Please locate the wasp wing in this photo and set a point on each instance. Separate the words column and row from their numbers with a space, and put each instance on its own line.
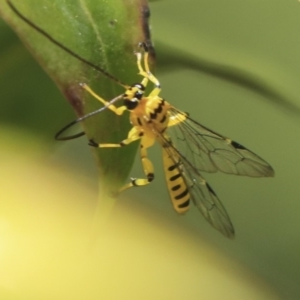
column 209, row 151
column 194, row 148
column 185, row 183
column 206, row 200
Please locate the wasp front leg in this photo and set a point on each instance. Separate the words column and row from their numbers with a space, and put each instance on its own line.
column 146, row 73
column 117, row 110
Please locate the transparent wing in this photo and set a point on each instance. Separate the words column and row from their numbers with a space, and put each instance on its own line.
column 201, row 149
column 209, row 151
column 200, row 192
column 206, row 200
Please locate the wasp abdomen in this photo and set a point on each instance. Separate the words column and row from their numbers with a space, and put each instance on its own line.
column 178, row 189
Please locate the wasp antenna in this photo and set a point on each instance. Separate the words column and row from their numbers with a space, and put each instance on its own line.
column 60, row 45
column 58, row 136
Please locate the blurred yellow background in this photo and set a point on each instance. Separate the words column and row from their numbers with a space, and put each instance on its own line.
column 49, row 248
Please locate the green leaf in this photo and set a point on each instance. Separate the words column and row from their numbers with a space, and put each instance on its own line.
column 105, row 33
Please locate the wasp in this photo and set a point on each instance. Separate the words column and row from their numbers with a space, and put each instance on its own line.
column 188, row 148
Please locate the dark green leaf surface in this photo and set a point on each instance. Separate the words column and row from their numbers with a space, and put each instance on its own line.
column 104, row 33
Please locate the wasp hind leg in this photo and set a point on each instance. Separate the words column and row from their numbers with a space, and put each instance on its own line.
column 134, row 135
column 147, row 167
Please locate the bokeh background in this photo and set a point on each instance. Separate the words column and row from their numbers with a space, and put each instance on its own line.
column 260, row 38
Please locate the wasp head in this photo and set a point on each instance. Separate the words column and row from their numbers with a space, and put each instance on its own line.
column 133, row 95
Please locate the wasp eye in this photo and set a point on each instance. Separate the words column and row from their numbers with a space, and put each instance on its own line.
column 131, row 104
column 138, row 95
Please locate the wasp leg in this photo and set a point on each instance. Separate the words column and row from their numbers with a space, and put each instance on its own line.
column 117, row 110
column 133, row 135
column 147, row 167
column 147, row 73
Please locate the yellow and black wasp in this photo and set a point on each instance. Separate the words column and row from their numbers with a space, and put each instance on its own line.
column 188, row 147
